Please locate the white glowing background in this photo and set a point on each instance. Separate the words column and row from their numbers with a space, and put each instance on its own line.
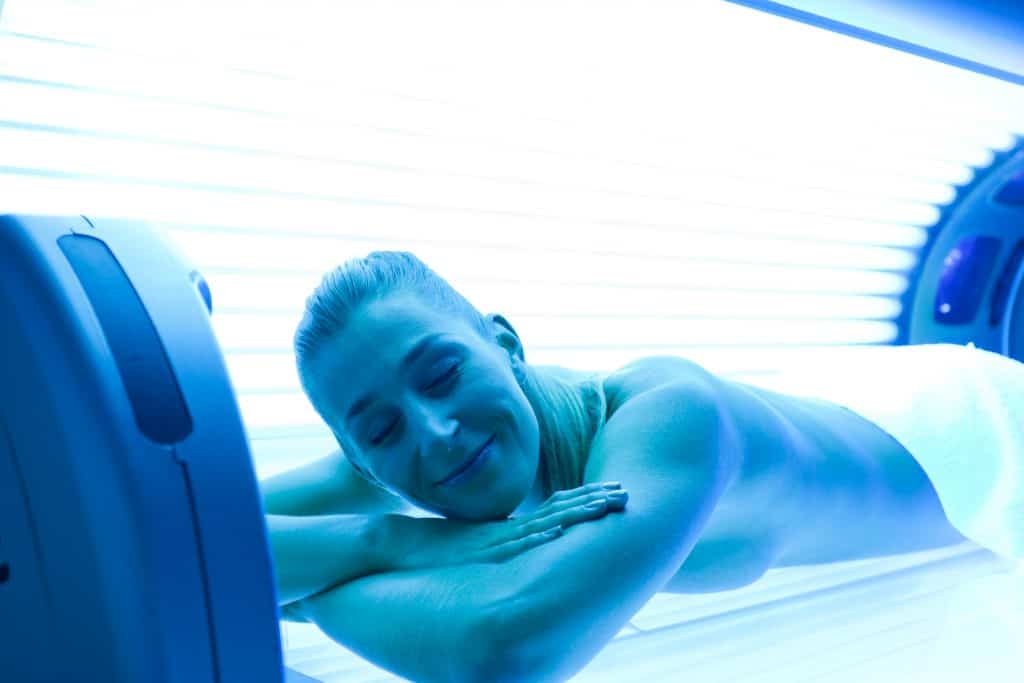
column 619, row 178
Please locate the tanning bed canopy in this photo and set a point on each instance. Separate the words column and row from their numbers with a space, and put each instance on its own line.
column 968, row 288
column 132, row 539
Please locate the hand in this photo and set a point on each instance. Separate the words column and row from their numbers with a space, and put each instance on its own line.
column 436, row 542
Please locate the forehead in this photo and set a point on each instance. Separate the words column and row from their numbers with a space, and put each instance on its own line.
column 370, row 347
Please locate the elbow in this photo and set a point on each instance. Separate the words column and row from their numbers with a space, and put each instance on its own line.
column 477, row 662
column 490, row 655
column 498, row 667
column 505, row 656
column 511, row 666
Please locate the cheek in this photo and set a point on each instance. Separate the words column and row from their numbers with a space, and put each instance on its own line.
column 530, row 431
column 487, row 392
column 511, row 408
column 524, row 434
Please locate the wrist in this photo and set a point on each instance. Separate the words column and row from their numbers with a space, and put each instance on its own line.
column 389, row 540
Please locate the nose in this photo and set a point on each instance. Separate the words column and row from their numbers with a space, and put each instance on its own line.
column 440, row 433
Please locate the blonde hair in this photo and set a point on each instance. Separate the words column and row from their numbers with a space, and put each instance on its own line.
column 570, row 406
column 570, row 412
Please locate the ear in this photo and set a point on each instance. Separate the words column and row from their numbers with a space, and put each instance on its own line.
column 506, row 336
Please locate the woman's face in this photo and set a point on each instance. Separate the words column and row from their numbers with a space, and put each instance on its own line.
column 414, row 394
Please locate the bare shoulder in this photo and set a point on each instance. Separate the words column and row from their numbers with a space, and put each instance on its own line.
column 651, row 372
column 671, row 396
column 761, row 501
column 751, row 409
column 765, row 428
column 327, row 486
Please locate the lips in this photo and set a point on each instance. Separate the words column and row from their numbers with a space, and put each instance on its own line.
column 467, row 464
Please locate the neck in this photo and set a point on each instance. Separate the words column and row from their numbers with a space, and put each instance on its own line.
column 565, row 402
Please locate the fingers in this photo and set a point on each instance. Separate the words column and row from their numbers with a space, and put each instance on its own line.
column 586, row 488
column 571, row 494
column 548, row 522
column 566, row 513
column 504, row 551
column 592, row 509
column 577, row 501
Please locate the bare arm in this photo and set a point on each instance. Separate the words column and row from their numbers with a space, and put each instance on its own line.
column 424, row 625
column 320, row 523
column 313, row 553
column 327, row 486
column 677, row 448
column 515, row 620
column 424, row 622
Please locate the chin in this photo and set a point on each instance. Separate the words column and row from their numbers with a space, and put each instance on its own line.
column 486, row 505
column 496, row 496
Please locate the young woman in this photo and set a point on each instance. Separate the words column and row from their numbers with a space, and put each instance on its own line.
column 436, row 409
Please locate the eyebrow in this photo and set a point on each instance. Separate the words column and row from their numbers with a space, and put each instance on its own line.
column 411, row 357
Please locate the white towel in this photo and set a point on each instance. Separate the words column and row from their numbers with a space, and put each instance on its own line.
column 958, row 410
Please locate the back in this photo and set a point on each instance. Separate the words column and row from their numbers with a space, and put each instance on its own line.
column 955, row 410
column 327, row 486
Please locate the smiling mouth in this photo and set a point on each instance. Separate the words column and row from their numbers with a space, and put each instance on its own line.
column 469, row 463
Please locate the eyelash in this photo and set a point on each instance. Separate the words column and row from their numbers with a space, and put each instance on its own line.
column 450, row 374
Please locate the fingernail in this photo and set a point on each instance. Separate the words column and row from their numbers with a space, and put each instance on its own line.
column 611, row 485
column 618, row 494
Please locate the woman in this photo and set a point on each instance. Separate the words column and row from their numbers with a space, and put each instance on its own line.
column 435, row 404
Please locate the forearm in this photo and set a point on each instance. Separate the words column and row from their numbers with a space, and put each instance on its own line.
column 438, row 622
column 314, row 553
column 428, row 625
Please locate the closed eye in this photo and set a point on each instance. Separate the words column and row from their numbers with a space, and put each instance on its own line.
column 450, row 374
column 376, row 440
